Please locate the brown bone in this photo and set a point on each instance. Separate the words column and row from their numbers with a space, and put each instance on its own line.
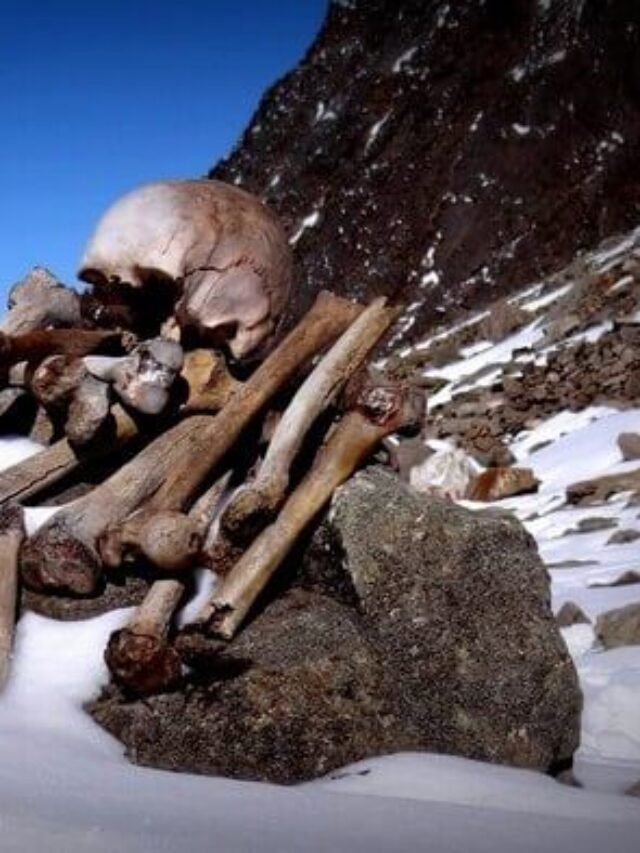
column 379, row 411
column 168, row 472
column 171, row 540
column 34, row 346
column 139, row 656
column 256, row 503
column 209, row 388
column 11, row 535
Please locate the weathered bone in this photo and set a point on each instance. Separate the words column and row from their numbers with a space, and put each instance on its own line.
column 380, row 411
column 40, row 301
column 226, row 248
column 210, row 384
column 210, row 387
column 33, row 347
column 88, row 412
column 55, row 381
column 255, row 504
column 171, row 540
column 139, row 656
column 168, row 472
column 49, row 466
column 142, row 379
column 11, row 535
column 64, row 387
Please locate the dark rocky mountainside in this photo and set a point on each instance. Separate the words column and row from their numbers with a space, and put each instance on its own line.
column 445, row 153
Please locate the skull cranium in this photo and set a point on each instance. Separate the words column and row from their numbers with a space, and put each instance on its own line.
column 225, row 252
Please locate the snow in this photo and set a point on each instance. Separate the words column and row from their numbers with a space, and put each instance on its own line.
column 309, row 221
column 496, row 354
column 584, row 446
column 15, row 449
column 375, row 131
column 475, row 784
column 404, row 59
column 546, row 299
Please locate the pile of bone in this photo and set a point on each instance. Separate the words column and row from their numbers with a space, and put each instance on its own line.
column 169, row 411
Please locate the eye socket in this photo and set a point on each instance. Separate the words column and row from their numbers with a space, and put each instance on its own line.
column 92, row 276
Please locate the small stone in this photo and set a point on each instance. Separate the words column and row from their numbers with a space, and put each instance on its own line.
column 623, row 537
column 625, row 579
column 591, row 525
column 629, row 444
column 497, row 483
column 634, row 790
column 572, row 564
column 619, row 627
column 570, row 614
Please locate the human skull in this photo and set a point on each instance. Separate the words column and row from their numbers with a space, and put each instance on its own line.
column 225, row 252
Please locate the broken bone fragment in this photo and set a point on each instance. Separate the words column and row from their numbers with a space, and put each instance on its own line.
column 219, row 245
column 142, row 379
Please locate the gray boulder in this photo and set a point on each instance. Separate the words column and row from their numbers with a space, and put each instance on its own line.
column 456, row 603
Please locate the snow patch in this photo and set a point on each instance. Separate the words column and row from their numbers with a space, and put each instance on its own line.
column 374, row 132
column 403, row 60
column 308, row 222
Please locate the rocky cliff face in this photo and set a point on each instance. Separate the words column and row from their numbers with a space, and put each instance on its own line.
column 444, row 153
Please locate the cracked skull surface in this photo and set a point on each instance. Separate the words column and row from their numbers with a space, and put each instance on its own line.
column 223, row 251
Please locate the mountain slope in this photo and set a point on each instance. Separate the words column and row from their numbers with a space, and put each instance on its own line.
column 445, row 153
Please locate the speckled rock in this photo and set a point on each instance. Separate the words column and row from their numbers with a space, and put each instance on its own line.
column 570, row 614
column 444, row 153
column 457, row 605
column 299, row 693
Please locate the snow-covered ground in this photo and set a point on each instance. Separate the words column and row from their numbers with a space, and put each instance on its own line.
column 65, row 785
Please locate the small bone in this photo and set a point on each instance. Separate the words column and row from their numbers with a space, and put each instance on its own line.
column 170, row 540
column 142, row 379
column 138, row 656
column 88, row 412
column 11, row 535
column 55, row 381
column 39, row 472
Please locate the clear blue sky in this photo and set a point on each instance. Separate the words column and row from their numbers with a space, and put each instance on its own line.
column 97, row 97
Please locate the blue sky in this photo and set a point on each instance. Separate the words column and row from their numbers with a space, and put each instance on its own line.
column 96, row 98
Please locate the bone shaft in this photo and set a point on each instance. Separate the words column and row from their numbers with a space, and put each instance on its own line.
column 153, row 616
column 321, row 389
column 10, row 540
column 36, row 345
column 351, row 442
column 51, row 464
